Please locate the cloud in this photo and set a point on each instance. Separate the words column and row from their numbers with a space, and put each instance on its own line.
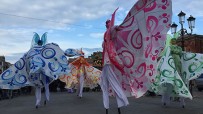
column 59, row 14
column 190, row 7
column 68, row 21
column 15, row 40
column 97, row 35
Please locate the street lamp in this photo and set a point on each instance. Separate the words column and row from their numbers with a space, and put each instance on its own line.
column 181, row 16
column 173, row 28
column 191, row 23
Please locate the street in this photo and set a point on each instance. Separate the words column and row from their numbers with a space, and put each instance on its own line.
column 91, row 103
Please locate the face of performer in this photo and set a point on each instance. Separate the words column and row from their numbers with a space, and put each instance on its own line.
column 173, row 42
column 108, row 23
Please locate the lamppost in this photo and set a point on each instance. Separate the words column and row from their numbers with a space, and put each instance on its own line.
column 191, row 24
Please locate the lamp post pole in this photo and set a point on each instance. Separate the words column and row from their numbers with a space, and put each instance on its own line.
column 182, row 38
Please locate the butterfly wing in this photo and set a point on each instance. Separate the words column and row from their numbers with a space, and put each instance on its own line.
column 15, row 76
column 139, row 40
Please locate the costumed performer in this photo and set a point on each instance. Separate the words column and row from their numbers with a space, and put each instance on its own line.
column 130, row 50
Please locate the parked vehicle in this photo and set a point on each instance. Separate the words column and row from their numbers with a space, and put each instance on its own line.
column 199, row 82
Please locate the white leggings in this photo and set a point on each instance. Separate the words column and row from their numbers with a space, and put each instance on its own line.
column 38, row 92
column 167, row 94
column 108, row 78
column 80, row 86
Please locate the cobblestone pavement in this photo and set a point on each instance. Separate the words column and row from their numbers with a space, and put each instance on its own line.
column 91, row 103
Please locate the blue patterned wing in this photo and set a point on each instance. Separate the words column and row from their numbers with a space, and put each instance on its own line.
column 51, row 61
column 16, row 76
column 72, row 52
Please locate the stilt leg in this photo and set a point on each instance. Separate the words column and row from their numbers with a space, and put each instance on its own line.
column 106, row 111
column 45, row 102
column 119, row 111
column 182, row 100
column 183, row 106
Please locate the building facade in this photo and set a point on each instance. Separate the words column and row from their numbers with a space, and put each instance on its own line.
column 3, row 64
column 192, row 43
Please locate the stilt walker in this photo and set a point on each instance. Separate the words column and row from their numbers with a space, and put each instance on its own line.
column 175, row 69
column 82, row 74
column 42, row 64
column 130, row 50
column 109, row 78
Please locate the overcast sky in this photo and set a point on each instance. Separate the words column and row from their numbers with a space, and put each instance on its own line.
column 69, row 23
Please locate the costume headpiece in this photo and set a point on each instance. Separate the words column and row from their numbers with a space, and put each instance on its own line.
column 37, row 41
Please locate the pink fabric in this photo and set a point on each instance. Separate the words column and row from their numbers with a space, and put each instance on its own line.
column 133, row 46
column 110, row 47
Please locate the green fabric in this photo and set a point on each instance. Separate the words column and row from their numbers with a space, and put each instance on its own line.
column 176, row 53
column 177, row 69
column 168, row 40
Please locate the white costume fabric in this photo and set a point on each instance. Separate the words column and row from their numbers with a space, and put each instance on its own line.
column 81, row 84
column 191, row 65
column 166, row 96
column 42, row 63
column 109, row 79
column 134, row 45
column 44, row 82
column 82, row 74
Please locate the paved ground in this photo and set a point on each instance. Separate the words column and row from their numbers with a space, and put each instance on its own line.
column 91, row 103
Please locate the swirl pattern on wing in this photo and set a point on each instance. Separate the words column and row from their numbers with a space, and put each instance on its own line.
column 14, row 77
column 48, row 53
column 79, row 67
column 167, row 73
column 48, row 60
column 139, row 40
